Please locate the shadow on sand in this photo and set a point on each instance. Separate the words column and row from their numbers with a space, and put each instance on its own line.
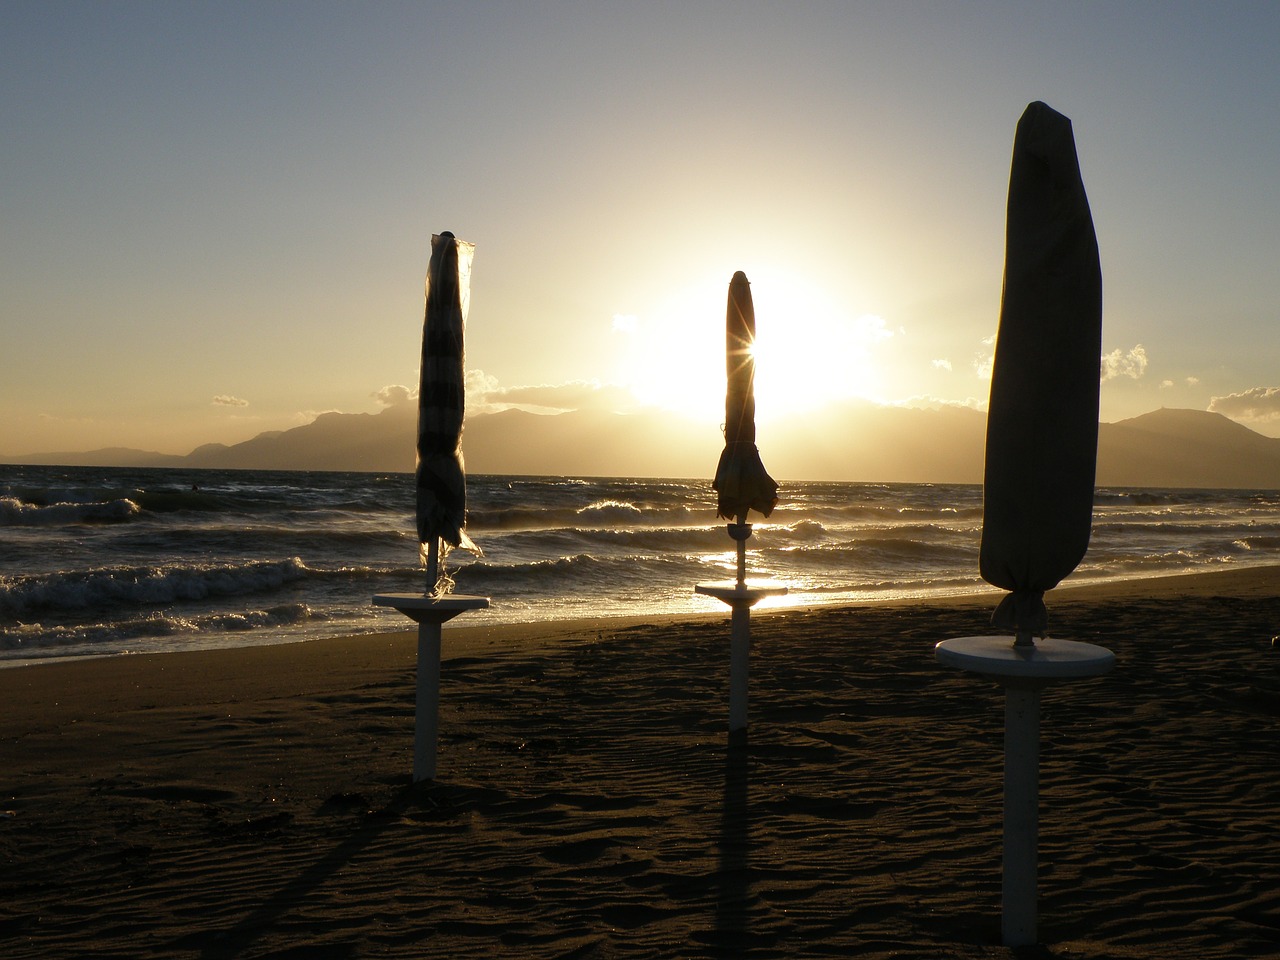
column 732, row 878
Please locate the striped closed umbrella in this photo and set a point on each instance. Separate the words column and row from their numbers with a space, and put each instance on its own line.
column 1042, row 422
column 741, row 481
column 440, row 478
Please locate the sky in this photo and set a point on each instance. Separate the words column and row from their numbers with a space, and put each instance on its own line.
column 215, row 218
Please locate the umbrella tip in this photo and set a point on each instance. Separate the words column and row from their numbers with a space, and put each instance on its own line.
column 448, row 233
column 739, row 277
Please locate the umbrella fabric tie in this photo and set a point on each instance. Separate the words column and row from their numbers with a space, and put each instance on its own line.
column 742, row 482
column 1023, row 612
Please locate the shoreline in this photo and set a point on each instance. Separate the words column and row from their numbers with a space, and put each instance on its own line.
column 464, row 639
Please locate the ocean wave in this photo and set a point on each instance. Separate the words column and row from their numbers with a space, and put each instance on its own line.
column 552, row 576
column 893, row 551
column 31, row 638
column 806, row 530
column 19, row 513
column 1258, row 543
column 591, row 516
column 610, row 511
column 143, row 586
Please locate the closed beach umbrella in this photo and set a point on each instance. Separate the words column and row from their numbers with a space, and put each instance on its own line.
column 741, row 481
column 1042, row 423
column 441, row 482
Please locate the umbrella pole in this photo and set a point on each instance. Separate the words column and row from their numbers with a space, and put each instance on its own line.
column 433, row 565
column 426, row 711
column 1023, row 674
column 429, row 613
column 739, row 633
column 1021, row 814
column 742, row 549
column 740, row 599
column 426, row 724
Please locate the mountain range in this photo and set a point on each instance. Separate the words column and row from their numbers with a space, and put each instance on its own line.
column 1164, row 448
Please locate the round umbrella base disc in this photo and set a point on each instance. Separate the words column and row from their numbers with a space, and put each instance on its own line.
column 731, row 592
column 426, row 609
column 1043, row 662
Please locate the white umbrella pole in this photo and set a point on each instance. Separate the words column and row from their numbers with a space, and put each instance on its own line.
column 740, row 599
column 1021, row 814
column 429, row 613
column 426, row 723
column 433, row 565
column 1023, row 670
column 742, row 551
column 426, row 712
column 740, row 636
column 739, row 662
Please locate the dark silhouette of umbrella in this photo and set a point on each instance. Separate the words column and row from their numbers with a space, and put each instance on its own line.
column 440, row 478
column 1042, row 421
column 741, row 481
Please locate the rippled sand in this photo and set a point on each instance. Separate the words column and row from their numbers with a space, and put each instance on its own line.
column 256, row 803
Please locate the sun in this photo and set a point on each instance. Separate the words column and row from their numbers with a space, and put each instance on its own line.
column 811, row 349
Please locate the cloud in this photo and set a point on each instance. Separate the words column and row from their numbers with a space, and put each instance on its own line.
column 486, row 395
column 224, row 401
column 303, row 417
column 942, row 364
column 1119, row 363
column 572, row 395
column 872, row 329
column 626, row 322
column 927, row 402
column 393, row 394
column 1257, row 403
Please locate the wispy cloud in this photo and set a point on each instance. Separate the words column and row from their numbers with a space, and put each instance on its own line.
column 571, row 395
column 925, row 401
column 222, row 400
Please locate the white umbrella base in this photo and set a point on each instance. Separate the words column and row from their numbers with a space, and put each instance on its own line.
column 1023, row 672
column 741, row 598
column 429, row 613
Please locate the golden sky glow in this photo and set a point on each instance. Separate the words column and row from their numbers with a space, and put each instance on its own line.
column 218, row 216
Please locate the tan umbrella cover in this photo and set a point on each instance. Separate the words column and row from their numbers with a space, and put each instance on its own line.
column 440, row 479
column 741, row 481
column 1042, row 424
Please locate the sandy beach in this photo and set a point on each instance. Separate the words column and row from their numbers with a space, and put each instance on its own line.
column 257, row 802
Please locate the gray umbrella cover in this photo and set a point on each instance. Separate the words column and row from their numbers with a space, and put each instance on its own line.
column 1042, row 424
column 741, row 481
column 441, row 481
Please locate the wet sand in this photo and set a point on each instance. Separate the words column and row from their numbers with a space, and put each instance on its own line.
column 257, row 802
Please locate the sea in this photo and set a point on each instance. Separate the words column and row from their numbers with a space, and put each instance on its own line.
column 104, row 561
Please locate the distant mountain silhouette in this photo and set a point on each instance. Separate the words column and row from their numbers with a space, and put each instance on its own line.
column 1186, row 448
column 1165, row 448
column 104, row 457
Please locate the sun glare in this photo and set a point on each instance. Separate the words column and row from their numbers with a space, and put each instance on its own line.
column 811, row 350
